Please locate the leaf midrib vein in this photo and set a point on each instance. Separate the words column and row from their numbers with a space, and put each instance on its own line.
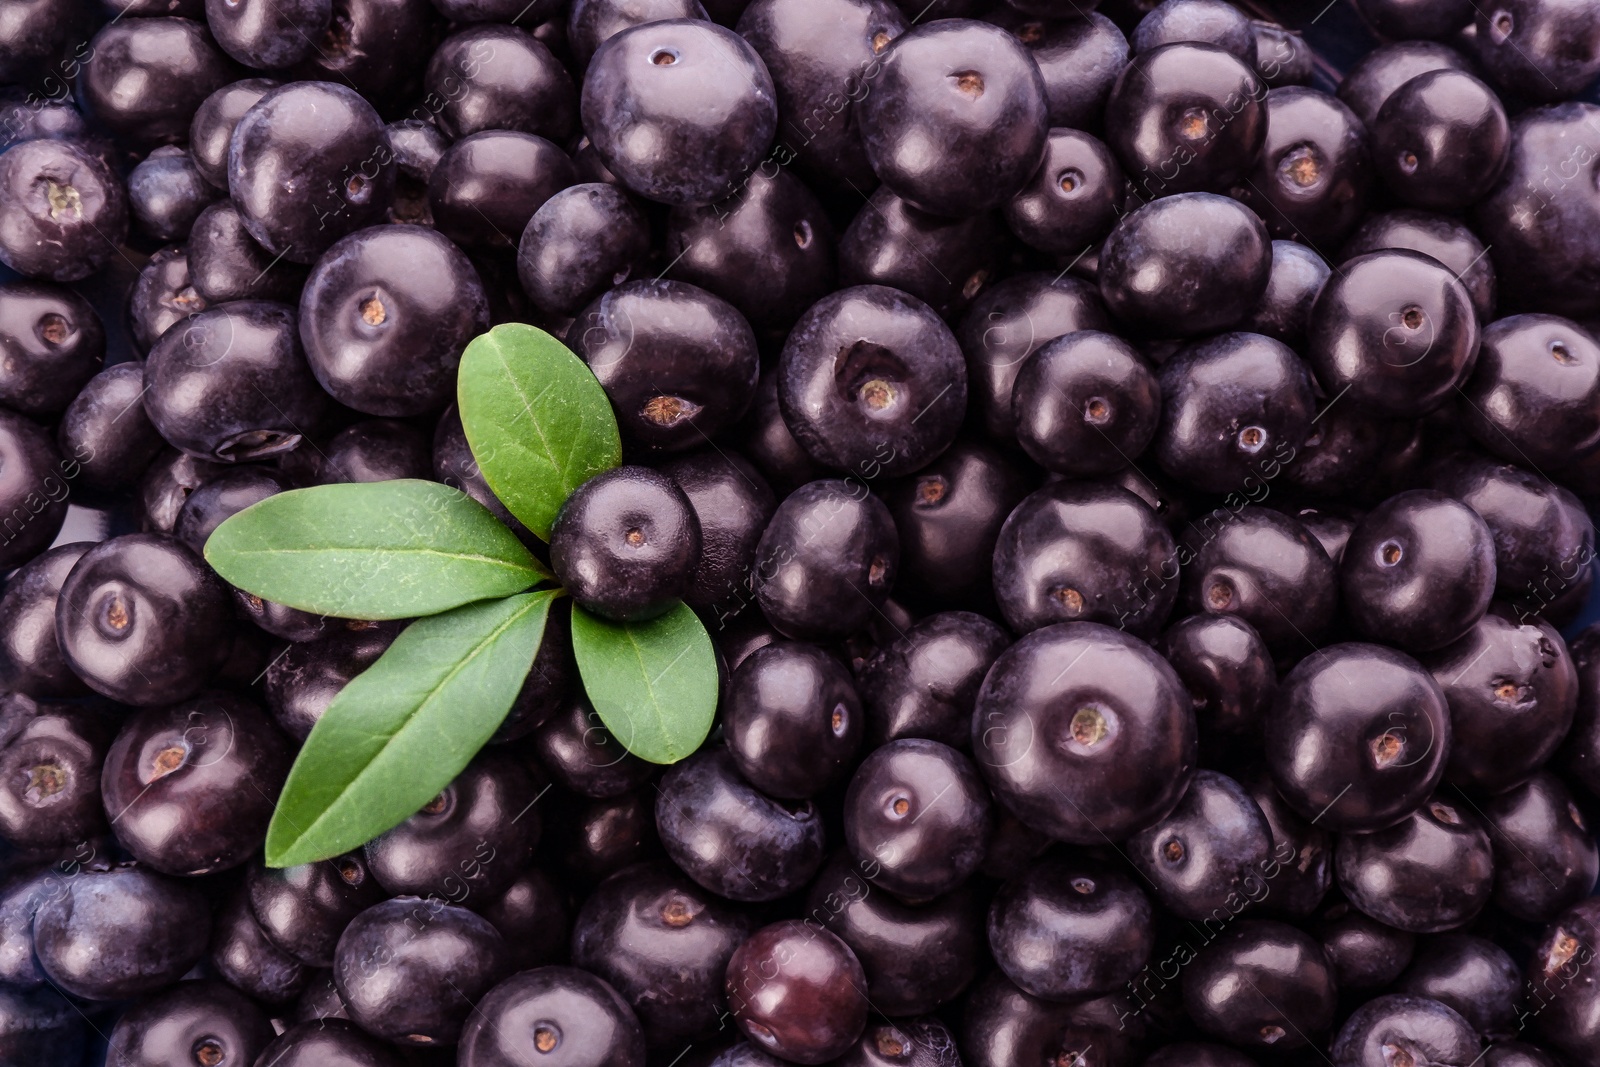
column 650, row 687
column 325, row 549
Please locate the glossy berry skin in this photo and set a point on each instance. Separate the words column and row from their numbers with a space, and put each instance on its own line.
column 49, row 783
column 192, row 786
column 916, row 957
column 1534, row 394
column 219, row 499
column 1158, row 275
column 792, row 719
column 1542, row 51
column 1545, row 857
column 678, row 363
column 226, row 263
column 303, row 910
column 308, row 164
column 119, row 932
column 1315, row 174
column 604, row 836
column 166, row 485
column 1261, row 985
column 1101, row 750
column 577, row 750
column 211, row 128
column 1432, row 871
column 166, row 194
column 1557, row 974
column 1363, row 954
column 418, row 146
column 1387, row 67
column 679, row 110
column 1440, row 140
column 487, row 186
column 917, row 858
column 664, row 944
column 1357, row 759
column 205, row 383
column 706, row 813
column 195, row 1022
column 570, row 1015
column 469, row 842
column 1195, row 21
column 1085, row 404
column 625, row 544
column 376, row 450
column 1234, row 409
column 500, row 78
column 533, row 918
column 301, row 683
column 29, row 653
column 242, row 956
column 1418, row 571
column 1513, row 690
column 581, row 242
column 175, row 63
column 1445, row 238
column 816, row 1006
column 732, row 504
column 1084, row 552
column 940, row 261
column 409, row 970
column 268, row 36
column 590, row 23
column 926, row 683
column 51, row 344
column 385, row 316
column 1394, row 329
column 62, row 212
column 34, row 488
column 965, row 85
column 1208, row 855
column 162, row 295
column 822, row 588
column 1184, row 118
column 1069, row 929
column 1073, row 198
column 1226, row 668
column 1078, row 57
column 334, row 1042
column 872, row 382
column 1397, row 1025
column 1301, row 868
column 1473, row 975
column 140, row 619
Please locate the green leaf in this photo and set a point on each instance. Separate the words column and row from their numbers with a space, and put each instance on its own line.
column 654, row 683
column 537, row 420
column 403, row 729
column 373, row 550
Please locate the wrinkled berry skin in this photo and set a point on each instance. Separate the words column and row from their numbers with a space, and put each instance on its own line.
column 110, row 934
column 825, row 587
column 1432, row 871
column 872, row 382
column 1102, row 749
column 1185, row 265
column 917, row 858
column 1207, row 857
column 193, row 785
column 965, row 85
column 1084, row 552
column 1186, row 117
column 195, row 1022
column 409, row 970
column 814, row 1008
column 1261, row 985
column 1418, row 571
column 1534, row 394
column 916, row 957
column 205, row 383
column 140, row 620
column 625, row 544
column 1357, row 759
column 303, row 910
column 1396, row 331
column 792, row 719
column 926, row 683
column 563, row 1010
column 385, row 316
column 922, row 1042
column 1420, row 1027
column 175, row 65
column 581, row 242
column 1085, row 405
column 29, row 654
column 1226, row 668
column 1545, row 857
column 1513, row 691
column 62, row 212
column 664, row 944
column 469, row 842
column 51, row 343
column 678, row 363
column 1069, row 929
column 681, row 110
column 732, row 839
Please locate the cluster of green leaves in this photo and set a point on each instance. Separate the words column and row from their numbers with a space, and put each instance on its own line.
column 539, row 425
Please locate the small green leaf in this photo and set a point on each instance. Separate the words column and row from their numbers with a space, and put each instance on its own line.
column 403, row 729
column 373, row 550
column 654, row 683
column 537, row 420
